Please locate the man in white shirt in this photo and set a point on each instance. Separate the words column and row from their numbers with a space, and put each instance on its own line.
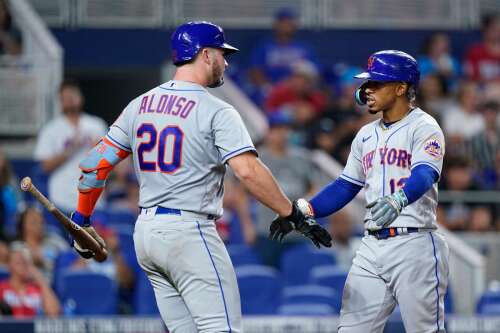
column 62, row 144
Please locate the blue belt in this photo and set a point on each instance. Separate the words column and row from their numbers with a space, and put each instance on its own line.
column 167, row 211
column 391, row 232
column 173, row 211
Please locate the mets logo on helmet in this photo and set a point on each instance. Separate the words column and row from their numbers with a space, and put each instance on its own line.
column 433, row 147
column 370, row 63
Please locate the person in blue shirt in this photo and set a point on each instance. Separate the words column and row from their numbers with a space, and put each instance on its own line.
column 272, row 59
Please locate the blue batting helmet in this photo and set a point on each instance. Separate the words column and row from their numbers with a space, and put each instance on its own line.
column 189, row 38
column 389, row 66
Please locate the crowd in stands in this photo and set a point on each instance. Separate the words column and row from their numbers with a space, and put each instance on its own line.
column 307, row 108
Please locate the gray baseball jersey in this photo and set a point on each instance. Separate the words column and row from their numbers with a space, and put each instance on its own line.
column 382, row 157
column 181, row 137
column 409, row 269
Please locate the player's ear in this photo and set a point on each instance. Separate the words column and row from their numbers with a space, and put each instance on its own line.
column 401, row 89
column 205, row 55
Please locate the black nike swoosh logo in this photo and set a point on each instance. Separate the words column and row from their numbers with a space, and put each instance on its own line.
column 366, row 139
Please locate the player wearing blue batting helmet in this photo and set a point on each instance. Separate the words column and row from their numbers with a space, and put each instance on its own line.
column 193, row 38
column 389, row 66
column 189, row 38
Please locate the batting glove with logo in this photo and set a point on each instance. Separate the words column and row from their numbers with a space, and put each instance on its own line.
column 302, row 220
column 84, row 222
column 386, row 209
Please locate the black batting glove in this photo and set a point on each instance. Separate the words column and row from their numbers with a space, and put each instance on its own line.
column 302, row 220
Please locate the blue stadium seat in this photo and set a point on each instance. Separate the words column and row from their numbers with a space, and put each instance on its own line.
column 91, row 293
column 306, row 309
column 489, row 303
column 448, row 300
column 120, row 219
column 144, row 296
column 260, row 289
column 298, row 262
column 311, row 294
column 61, row 265
column 4, row 274
column 127, row 249
column 329, row 276
column 243, row 255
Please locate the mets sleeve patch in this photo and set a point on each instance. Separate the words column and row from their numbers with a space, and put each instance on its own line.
column 434, row 147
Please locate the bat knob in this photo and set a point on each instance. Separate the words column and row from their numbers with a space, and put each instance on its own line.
column 26, row 184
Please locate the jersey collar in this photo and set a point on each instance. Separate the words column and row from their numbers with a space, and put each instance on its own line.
column 401, row 122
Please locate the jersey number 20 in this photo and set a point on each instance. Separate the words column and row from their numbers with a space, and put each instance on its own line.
column 159, row 139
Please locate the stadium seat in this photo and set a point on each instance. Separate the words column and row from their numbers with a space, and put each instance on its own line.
column 448, row 300
column 306, row 309
column 61, row 264
column 144, row 296
column 91, row 293
column 297, row 263
column 4, row 274
column 310, row 294
column 120, row 219
column 243, row 255
column 489, row 303
column 127, row 249
column 329, row 276
column 260, row 289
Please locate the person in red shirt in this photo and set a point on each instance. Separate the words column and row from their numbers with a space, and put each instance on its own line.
column 482, row 61
column 299, row 88
column 26, row 292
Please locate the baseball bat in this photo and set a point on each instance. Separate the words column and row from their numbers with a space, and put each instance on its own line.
column 79, row 234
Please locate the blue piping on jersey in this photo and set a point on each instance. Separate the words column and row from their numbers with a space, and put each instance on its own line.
column 383, row 165
column 437, row 278
column 121, row 129
column 353, row 180
column 235, row 151
column 429, row 164
column 218, row 277
column 182, row 89
column 117, row 143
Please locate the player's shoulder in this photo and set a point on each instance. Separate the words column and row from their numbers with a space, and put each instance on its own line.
column 423, row 119
column 368, row 128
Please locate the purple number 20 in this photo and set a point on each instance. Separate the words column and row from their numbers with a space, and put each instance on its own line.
column 160, row 139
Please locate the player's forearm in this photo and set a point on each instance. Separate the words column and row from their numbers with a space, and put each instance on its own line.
column 95, row 169
column 259, row 181
column 333, row 197
column 421, row 180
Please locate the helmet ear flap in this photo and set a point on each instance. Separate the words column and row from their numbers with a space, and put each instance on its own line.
column 360, row 94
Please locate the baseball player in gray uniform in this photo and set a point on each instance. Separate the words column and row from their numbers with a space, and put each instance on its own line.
column 181, row 138
column 397, row 160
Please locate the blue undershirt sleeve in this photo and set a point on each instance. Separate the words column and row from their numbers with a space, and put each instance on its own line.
column 421, row 180
column 333, row 197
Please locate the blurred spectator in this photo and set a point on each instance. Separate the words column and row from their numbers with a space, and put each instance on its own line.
column 44, row 247
column 9, row 198
column 484, row 146
column 27, row 293
column 272, row 58
column 235, row 225
column 62, row 144
column 433, row 95
column 4, row 254
column 346, row 115
column 10, row 37
column 296, row 174
column 464, row 112
column 481, row 219
column 437, row 59
column 122, row 191
column 344, row 244
column 300, row 86
column 457, row 174
column 482, row 61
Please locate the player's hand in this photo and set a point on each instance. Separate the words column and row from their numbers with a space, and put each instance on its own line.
column 84, row 222
column 302, row 220
column 386, row 209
